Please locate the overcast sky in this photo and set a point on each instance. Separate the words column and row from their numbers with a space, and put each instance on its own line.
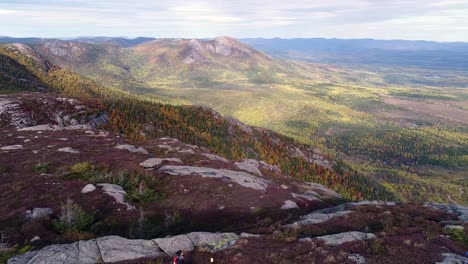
column 441, row 20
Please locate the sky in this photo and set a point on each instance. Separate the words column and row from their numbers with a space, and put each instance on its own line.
column 439, row 20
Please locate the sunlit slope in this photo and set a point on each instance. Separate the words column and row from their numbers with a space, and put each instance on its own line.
column 395, row 124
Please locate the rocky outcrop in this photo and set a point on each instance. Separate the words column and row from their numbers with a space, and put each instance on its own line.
column 316, row 218
column 30, row 53
column 115, row 249
column 241, row 178
column 22, row 259
column 450, row 258
column 132, row 148
column 171, row 245
column 38, row 213
column 111, row 249
column 68, row 150
column 63, row 253
column 12, row 147
column 117, row 192
column 341, row 238
column 11, row 111
column 40, row 112
column 226, row 46
column 214, row 241
column 215, row 157
column 88, row 188
column 288, row 204
column 347, row 206
column 153, row 162
column 88, row 251
column 460, row 211
column 250, row 166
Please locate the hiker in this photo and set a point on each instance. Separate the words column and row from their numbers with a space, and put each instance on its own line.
column 175, row 259
column 178, row 258
column 181, row 258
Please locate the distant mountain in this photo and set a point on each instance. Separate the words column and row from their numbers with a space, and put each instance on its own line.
column 219, row 51
column 196, row 61
column 120, row 41
column 5, row 39
column 426, row 54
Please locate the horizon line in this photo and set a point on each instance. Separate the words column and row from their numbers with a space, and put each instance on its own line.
column 267, row 38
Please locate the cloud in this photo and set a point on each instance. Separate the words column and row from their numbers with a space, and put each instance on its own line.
column 410, row 19
column 7, row 12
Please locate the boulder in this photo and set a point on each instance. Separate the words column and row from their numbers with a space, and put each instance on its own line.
column 214, row 241
column 22, row 259
column 68, row 150
column 341, row 238
column 288, row 204
column 77, row 127
column 153, row 162
column 115, row 249
column 306, row 196
column 322, row 190
column 241, row 178
column 88, row 188
column 215, row 157
column 186, row 151
column 12, row 147
column 249, row 165
column 248, row 235
column 132, row 148
column 117, row 192
column 38, row 213
column 60, row 253
column 88, row 252
column 450, row 258
column 347, row 206
column 316, row 218
column 171, row 245
column 46, row 127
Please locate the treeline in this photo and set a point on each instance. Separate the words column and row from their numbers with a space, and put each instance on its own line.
column 409, row 145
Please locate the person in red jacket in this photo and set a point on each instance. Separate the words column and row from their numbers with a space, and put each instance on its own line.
column 178, row 258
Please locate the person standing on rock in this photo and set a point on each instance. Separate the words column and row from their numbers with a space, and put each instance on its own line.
column 178, row 258
column 181, row 258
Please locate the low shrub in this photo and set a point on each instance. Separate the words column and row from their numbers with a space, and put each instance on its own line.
column 7, row 251
column 457, row 234
column 5, row 255
column 42, row 167
column 72, row 218
column 81, row 169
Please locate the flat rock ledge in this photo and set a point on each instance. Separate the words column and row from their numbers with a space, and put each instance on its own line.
column 242, row 178
column 49, row 127
column 153, row 162
column 341, row 238
column 111, row 249
column 316, row 218
column 116, row 192
column 132, row 148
